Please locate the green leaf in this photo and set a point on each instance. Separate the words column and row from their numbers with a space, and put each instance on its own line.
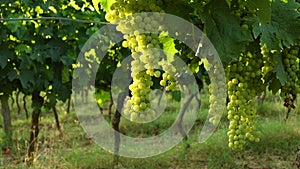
column 67, row 60
column 48, row 73
column 26, row 76
column 65, row 92
column 206, row 64
column 262, row 9
column 12, row 75
column 102, row 97
column 168, row 46
column 13, row 26
column 3, row 60
column 274, row 85
column 105, row 4
column 228, row 2
column 175, row 8
column 284, row 28
column 224, row 30
column 95, row 4
column 65, row 75
column 5, row 54
column 26, row 62
column 176, row 95
column 279, row 69
column 23, row 48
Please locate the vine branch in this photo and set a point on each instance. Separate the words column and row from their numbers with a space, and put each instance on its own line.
column 54, row 18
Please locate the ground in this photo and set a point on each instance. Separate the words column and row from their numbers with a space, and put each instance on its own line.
column 74, row 149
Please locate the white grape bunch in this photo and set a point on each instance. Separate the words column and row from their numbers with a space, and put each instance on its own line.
column 148, row 59
column 244, row 84
column 290, row 90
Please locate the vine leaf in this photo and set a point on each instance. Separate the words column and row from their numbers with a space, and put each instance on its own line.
column 176, row 95
column 169, row 46
column 95, row 4
column 65, row 75
column 25, row 77
column 282, row 28
column 224, row 30
column 105, row 4
column 12, row 75
column 262, row 9
column 279, row 69
column 4, row 57
column 26, row 62
column 14, row 26
column 24, row 48
column 175, row 8
column 274, row 85
column 102, row 97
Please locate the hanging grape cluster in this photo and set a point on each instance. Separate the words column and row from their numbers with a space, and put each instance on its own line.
column 268, row 63
column 239, row 7
column 291, row 64
column 217, row 89
column 245, row 83
column 147, row 56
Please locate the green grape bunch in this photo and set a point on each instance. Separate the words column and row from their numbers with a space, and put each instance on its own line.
column 290, row 90
column 141, row 37
column 244, row 84
column 217, row 89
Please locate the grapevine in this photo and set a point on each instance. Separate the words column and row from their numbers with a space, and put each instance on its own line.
column 247, row 75
column 257, row 41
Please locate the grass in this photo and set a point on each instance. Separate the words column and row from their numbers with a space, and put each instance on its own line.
column 277, row 148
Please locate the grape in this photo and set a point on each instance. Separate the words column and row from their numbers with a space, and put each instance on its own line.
column 217, row 88
column 241, row 91
column 267, row 60
column 146, row 53
column 290, row 90
column 239, row 7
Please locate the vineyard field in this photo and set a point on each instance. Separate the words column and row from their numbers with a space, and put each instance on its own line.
column 75, row 150
column 150, row 84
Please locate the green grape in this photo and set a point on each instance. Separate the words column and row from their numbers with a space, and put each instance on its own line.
column 267, row 60
column 168, row 77
column 217, row 90
column 290, row 90
column 239, row 7
column 241, row 91
column 147, row 58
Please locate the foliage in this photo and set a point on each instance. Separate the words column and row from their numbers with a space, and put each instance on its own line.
column 38, row 55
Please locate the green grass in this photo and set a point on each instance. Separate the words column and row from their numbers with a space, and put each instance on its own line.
column 277, row 148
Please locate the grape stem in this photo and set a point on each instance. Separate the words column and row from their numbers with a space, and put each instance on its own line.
column 287, row 114
column 159, row 100
column 290, row 108
column 115, row 124
column 182, row 112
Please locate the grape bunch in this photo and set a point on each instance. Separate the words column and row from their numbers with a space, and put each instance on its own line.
column 291, row 64
column 245, row 83
column 268, row 63
column 217, row 89
column 145, row 47
column 240, row 8
column 169, row 76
